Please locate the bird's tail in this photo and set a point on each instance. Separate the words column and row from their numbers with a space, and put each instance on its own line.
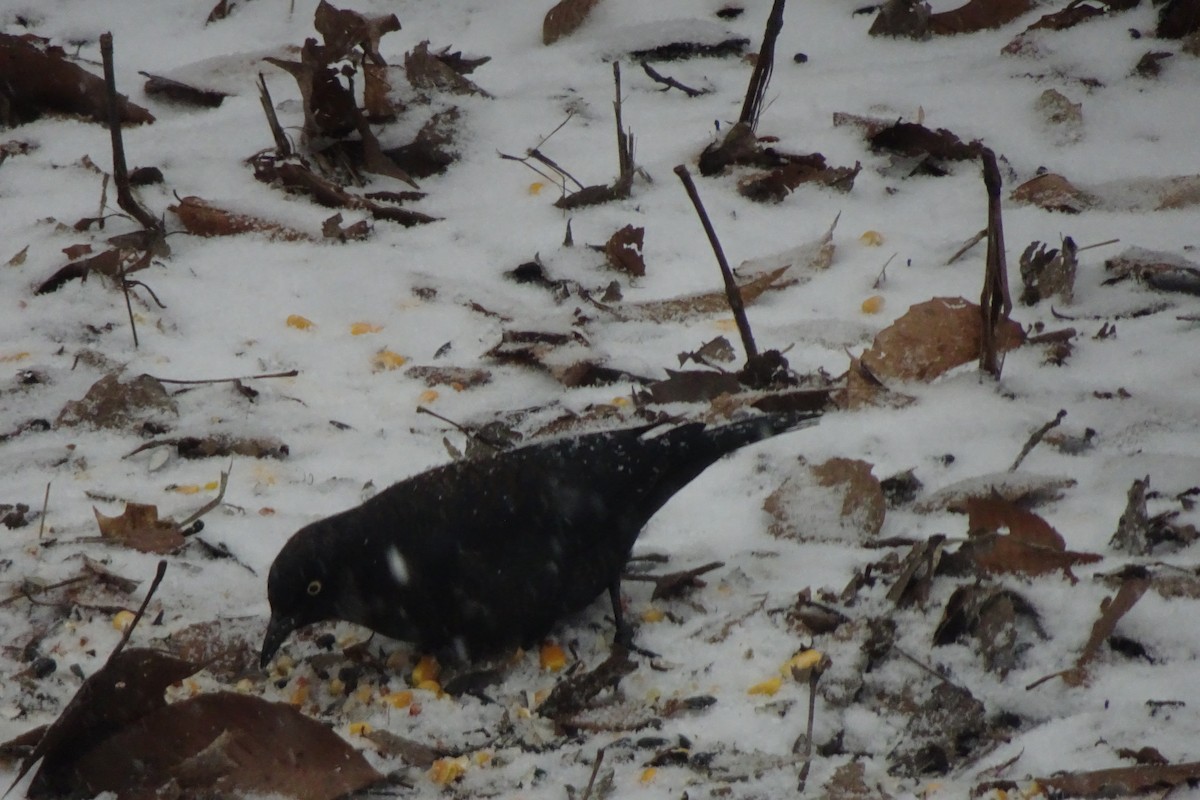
column 727, row 438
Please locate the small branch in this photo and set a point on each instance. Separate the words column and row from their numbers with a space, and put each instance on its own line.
column 1036, row 437
column 1105, row 243
column 476, row 435
column 125, row 198
column 882, row 278
column 669, row 82
column 27, row 593
column 967, row 245
column 158, row 576
column 625, row 165
column 283, row 147
column 45, row 507
column 128, row 304
column 731, row 290
column 211, row 504
column 291, row 373
column 814, row 675
column 995, row 302
column 587, row 791
column 763, row 67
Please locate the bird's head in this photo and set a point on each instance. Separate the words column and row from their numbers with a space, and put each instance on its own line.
column 302, row 587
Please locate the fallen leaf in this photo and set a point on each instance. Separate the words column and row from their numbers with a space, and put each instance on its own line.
column 226, row 744
column 40, row 79
column 180, row 92
column 19, row 259
column 565, row 18
column 706, row 303
column 1055, row 193
column 201, row 218
column 836, row 500
column 458, row 378
column 933, row 338
column 1122, row 781
column 1016, row 487
column 624, row 251
column 428, row 72
column 138, row 527
column 112, row 404
column 342, row 30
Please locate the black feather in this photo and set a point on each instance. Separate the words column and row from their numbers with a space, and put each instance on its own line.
column 485, row 555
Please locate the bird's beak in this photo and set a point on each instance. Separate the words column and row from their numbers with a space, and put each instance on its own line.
column 277, row 632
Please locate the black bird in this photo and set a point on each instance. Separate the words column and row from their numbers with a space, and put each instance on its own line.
column 484, row 555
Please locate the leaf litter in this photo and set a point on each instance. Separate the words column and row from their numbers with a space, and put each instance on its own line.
column 917, row 575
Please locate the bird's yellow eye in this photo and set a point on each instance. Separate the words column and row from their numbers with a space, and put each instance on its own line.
column 314, row 588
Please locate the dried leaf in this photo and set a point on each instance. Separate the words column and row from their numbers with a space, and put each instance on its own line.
column 993, row 514
column 1122, row 781
column 624, row 251
column 1048, row 273
column 707, row 303
column 1178, row 19
column 128, row 687
column 228, row 653
column 565, row 18
column 1016, row 487
column 201, row 218
column 40, row 79
column 138, row 527
column 1074, row 13
column 1055, row 193
column 837, row 500
column 776, row 185
column 428, row 72
column 1134, row 585
column 112, row 404
column 977, row 15
column 226, row 744
column 432, row 150
column 180, row 92
column 933, row 338
column 342, row 30
column 692, row 386
column 915, row 140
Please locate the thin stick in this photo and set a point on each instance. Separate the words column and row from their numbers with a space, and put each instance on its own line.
column 291, row 373
column 128, row 304
column 283, row 148
column 763, row 67
column 731, row 290
column 814, row 675
column 211, row 504
column 995, row 302
column 962, row 251
column 624, row 150
column 476, row 435
column 45, row 506
column 158, row 576
column 1105, row 243
column 125, row 197
column 882, row 278
column 669, row 82
column 587, row 791
column 1036, row 437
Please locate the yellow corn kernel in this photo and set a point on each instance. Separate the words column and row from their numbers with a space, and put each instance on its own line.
column 245, row 685
column 482, row 758
column 768, row 687
column 648, row 774
column 427, row 669
column 359, row 728
column 873, row 304
column 552, row 657
column 362, row 328
column 447, row 770
column 428, row 396
column 299, row 323
column 430, row 686
column 300, row 695
column 336, row 686
column 385, row 359
column 804, row 660
column 536, row 187
column 871, row 238
column 653, row 615
column 363, row 694
column 401, row 699
column 122, row 620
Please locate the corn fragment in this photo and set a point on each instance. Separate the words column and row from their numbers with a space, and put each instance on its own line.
column 362, row 328
column 447, row 770
column 401, row 699
column 871, row 238
column 299, row 323
column 768, row 687
column 648, row 774
column 427, row 669
column 873, row 304
column 359, row 728
column 552, row 657
column 122, row 620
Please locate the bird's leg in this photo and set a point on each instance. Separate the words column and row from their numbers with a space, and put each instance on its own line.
column 624, row 634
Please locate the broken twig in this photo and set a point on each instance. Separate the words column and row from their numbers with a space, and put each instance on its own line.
column 1036, row 437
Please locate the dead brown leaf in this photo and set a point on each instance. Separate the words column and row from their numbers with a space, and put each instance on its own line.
column 707, row 303
column 996, row 619
column 112, row 404
column 692, row 386
column 226, row 744
column 425, row 71
column 454, row 377
column 39, row 79
column 565, row 18
column 993, row 514
column 774, row 186
column 977, row 15
column 202, row 218
column 1055, row 193
column 1122, row 781
column 343, row 30
column 1178, row 19
column 138, row 527
column 228, row 654
column 933, row 338
column 915, row 140
column 129, row 686
column 180, row 92
column 624, row 251
column 432, row 149
column 835, row 500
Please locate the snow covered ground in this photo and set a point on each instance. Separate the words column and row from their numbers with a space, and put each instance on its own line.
column 437, row 295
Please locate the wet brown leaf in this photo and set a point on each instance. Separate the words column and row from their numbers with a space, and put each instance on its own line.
column 933, row 338
column 692, row 386
column 836, row 500
column 226, row 744
column 776, row 185
column 343, row 30
column 432, row 149
column 180, row 92
column 1122, row 781
column 993, row 514
column 915, row 140
column 1055, row 193
column 996, row 619
column 624, row 250
column 977, row 15
column 227, row 653
column 201, row 218
column 129, row 686
column 565, row 18
column 39, row 79
column 1178, row 19
column 138, row 527
column 454, row 377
